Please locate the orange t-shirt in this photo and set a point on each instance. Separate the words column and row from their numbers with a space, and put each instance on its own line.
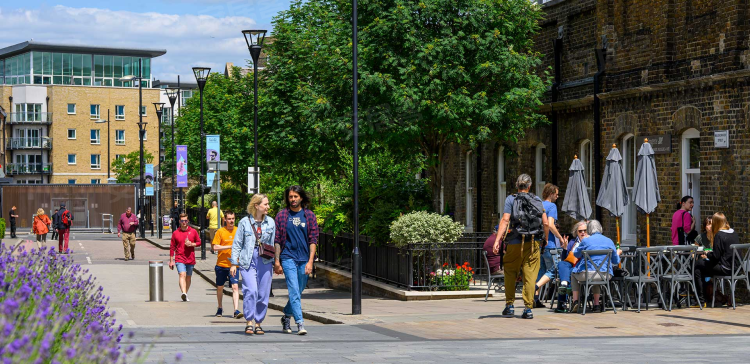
column 224, row 237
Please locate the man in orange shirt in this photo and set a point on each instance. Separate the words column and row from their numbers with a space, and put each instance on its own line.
column 222, row 244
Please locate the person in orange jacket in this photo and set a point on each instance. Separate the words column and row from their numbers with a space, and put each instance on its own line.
column 41, row 227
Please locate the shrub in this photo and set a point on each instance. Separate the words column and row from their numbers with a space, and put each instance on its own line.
column 424, row 227
column 2, row 228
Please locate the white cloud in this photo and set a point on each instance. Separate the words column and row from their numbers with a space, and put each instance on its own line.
column 190, row 40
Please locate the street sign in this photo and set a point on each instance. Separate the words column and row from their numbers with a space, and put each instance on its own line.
column 721, row 139
column 213, row 166
column 251, row 173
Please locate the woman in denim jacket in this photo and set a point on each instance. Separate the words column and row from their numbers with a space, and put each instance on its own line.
column 256, row 271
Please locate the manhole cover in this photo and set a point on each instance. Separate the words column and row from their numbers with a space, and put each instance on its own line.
column 605, row 327
column 548, row 329
column 669, row 324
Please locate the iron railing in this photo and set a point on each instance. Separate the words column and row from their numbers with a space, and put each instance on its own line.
column 29, row 143
column 40, row 118
column 31, row 168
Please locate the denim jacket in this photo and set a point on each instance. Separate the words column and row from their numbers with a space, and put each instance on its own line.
column 244, row 241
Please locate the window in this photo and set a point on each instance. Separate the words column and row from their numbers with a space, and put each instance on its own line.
column 95, row 111
column 691, row 170
column 71, row 181
column 96, row 181
column 145, row 134
column 71, row 109
column 143, row 110
column 166, row 116
column 120, row 157
column 120, row 137
column 540, row 168
column 71, row 159
column 469, row 192
column 95, row 136
column 96, row 161
column 629, row 222
column 186, row 95
column 588, row 166
column 502, row 190
column 71, row 133
column 119, row 112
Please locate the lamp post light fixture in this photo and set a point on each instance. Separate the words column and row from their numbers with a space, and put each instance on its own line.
column 141, row 132
column 254, row 40
column 109, row 161
column 159, row 106
column 201, row 75
column 172, row 93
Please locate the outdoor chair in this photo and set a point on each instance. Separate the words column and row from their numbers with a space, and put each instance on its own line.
column 648, row 272
column 680, row 264
column 740, row 270
column 600, row 277
column 491, row 277
column 553, row 284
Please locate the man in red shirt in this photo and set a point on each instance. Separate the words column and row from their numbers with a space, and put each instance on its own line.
column 182, row 253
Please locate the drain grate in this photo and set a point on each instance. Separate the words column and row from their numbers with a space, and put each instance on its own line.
column 604, row 327
column 548, row 329
column 669, row 324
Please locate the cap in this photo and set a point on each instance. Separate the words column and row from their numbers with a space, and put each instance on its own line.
column 62, row 205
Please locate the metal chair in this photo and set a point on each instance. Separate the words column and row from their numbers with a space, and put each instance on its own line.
column 740, row 272
column 553, row 283
column 649, row 272
column 680, row 262
column 600, row 276
column 491, row 277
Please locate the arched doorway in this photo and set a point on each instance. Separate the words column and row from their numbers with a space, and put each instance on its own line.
column 629, row 219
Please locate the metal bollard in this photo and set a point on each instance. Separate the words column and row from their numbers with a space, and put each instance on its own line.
column 156, row 281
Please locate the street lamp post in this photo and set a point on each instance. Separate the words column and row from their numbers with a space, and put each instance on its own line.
column 109, row 161
column 201, row 75
column 356, row 255
column 254, row 40
column 141, row 132
column 159, row 106
column 172, row 94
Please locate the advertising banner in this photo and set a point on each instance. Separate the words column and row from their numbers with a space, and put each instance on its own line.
column 149, row 177
column 182, row 166
column 212, row 154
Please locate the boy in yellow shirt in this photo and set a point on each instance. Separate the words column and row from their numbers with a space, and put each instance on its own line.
column 213, row 224
column 222, row 243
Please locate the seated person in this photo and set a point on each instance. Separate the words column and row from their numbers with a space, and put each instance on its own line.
column 595, row 241
column 495, row 260
column 719, row 261
column 565, row 266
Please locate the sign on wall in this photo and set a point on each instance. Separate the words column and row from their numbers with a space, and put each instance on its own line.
column 721, row 139
column 662, row 144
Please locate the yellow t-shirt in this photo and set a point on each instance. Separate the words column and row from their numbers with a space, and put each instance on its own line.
column 224, row 237
column 212, row 224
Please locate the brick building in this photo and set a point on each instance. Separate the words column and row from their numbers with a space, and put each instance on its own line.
column 673, row 72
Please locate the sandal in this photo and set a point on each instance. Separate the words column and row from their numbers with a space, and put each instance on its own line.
column 249, row 330
column 259, row 330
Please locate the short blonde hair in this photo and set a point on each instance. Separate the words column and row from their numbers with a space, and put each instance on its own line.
column 254, row 202
column 40, row 211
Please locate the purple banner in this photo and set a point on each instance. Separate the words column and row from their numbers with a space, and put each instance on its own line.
column 182, row 166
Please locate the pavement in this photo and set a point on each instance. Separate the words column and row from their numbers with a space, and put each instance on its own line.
column 469, row 330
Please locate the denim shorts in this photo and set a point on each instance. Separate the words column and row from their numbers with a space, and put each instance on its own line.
column 182, row 267
column 222, row 275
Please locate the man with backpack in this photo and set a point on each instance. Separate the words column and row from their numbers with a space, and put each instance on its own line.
column 65, row 219
column 522, row 228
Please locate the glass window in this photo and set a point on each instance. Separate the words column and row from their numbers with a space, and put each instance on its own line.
column 135, row 66
column 147, row 68
column 86, row 58
column 695, row 153
column 71, row 181
column 107, row 82
column 37, row 57
column 57, row 80
column 47, row 63
column 57, row 64
column 71, row 159
column 127, row 67
column 71, row 108
column 96, row 181
column 27, row 64
column 77, row 65
column 96, row 161
column 120, row 137
column 143, row 110
column 67, row 61
column 98, row 66
column 95, row 111
column 95, row 136
column 107, row 66
column 87, row 81
column 145, row 134
column 117, row 67
column 71, row 133
column 120, row 157
column 119, row 112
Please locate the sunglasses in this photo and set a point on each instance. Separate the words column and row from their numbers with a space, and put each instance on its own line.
column 581, row 231
column 183, row 221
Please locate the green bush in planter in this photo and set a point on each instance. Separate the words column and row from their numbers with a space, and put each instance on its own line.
column 424, row 227
column 2, row 228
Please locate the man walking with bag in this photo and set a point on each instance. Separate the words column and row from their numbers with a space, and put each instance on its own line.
column 522, row 227
column 65, row 219
column 127, row 226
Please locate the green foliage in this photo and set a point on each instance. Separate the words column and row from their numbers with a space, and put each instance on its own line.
column 193, row 195
column 457, row 279
column 127, row 168
column 425, row 227
column 233, row 198
column 2, row 228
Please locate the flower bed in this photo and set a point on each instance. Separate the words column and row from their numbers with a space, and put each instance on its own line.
column 457, row 279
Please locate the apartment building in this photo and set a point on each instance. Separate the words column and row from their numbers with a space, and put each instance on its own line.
column 58, row 100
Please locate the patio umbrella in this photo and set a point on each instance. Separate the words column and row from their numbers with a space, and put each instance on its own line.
column 613, row 193
column 646, row 189
column 576, row 202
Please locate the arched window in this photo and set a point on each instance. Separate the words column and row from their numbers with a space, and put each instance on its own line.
column 587, row 159
column 629, row 222
column 502, row 189
column 690, row 170
column 540, row 168
column 469, row 193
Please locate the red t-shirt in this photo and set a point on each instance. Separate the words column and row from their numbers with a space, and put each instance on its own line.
column 177, row 248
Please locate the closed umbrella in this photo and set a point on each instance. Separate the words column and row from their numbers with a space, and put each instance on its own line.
column 576, row 202
column 646, row 189
column 613, row 193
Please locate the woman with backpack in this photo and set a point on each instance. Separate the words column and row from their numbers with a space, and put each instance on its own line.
column 683, row 224
column 41, row 227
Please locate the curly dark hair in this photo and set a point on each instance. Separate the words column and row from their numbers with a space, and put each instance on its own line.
column 302, row 194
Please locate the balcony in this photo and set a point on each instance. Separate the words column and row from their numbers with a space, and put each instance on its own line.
column 29, row 143
column 31, row 118
column 15, row 169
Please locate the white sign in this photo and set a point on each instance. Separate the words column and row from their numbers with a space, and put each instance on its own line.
column 251, row 174
column 721, row 139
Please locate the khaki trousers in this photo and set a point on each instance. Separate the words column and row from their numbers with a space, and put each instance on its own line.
column 128, row 244
column 521, row 259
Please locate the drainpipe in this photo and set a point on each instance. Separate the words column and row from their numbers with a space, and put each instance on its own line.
column 478, row 181
column 10, row 98
column 557, row 47
column 601, row 62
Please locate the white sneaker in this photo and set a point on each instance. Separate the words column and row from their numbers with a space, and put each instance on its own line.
column 187, row 298
column 184, row 297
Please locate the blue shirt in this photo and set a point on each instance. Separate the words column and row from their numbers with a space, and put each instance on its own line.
column 595, row 242
column 551, row 210
column 296, row 247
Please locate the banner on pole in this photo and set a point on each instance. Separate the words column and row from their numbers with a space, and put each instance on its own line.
column 182, row 166
column 212, row 154
column 149, row 177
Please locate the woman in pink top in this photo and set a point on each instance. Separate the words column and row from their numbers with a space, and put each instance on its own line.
column 682, row 218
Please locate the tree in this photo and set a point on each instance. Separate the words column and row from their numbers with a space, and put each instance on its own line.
column 432, row 72
column 128, row 168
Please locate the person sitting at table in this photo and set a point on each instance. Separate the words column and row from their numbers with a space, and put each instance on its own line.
column 495, row 260
column 565, row 266
column 595, row 241
column 719, row 261
column 706, row 238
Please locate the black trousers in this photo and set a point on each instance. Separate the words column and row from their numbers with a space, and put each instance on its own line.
column 54, row 233
column 13, row 230
column 706, row 268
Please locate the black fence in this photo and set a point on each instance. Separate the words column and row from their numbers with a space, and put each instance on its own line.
column 429, row 266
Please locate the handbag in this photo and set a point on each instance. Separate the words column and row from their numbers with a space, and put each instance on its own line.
column 685, row 239
column 267, row 251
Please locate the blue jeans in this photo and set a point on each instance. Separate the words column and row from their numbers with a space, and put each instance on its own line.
column 547, row 265
column 296, row 280
column 184, row 268
column 563, row 269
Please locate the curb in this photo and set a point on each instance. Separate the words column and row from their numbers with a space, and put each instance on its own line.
column 311, row 316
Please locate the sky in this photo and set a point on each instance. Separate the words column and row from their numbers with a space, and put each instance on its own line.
column 194, row 32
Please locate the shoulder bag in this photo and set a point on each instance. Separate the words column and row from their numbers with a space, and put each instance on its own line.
column 267, row 251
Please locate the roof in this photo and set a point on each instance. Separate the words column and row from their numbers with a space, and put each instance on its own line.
column 78, row 48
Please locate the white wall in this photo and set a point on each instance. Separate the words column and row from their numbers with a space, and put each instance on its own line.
column 30, row 95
